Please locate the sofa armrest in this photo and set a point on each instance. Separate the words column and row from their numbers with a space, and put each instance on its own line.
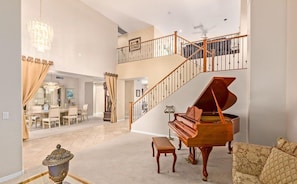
column 249, row 158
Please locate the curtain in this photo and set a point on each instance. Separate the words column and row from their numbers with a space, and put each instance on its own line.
column 33, row 74
column 111, row 84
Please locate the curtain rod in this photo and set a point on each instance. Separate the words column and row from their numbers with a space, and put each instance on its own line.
column 37, row 60
column 110, row 74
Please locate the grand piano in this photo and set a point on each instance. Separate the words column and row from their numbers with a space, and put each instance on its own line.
column 204, row 125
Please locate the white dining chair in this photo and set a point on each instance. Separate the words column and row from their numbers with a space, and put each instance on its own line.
column 34, row 116
column 53, row 117
column 72, row 115
column 84, row 112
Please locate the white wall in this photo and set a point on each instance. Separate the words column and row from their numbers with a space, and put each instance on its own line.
column 81, row 92
column 99, row 99
column 89, row 97
column 243, row 17
column 84, row 41
column 121, row 100
column 267, row 119
column 147, row 68
column 156, row 122
column 10, row 94
column 145, row 35
column 129, row 96
column 291, row 70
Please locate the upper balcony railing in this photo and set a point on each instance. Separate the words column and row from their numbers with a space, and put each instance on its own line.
column 163, row 46
column 227, row 52
column 219, row 53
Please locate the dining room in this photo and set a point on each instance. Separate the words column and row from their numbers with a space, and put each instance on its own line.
column 63, row 99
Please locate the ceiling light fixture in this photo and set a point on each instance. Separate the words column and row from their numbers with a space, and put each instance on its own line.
column 41, row 34
column 51, row 86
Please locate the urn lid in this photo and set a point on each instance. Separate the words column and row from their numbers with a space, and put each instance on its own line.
column 57, row 157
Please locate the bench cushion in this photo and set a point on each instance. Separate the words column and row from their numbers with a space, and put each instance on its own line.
column 162, row 143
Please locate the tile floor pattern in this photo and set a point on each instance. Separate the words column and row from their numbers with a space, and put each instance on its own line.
column 75, row 138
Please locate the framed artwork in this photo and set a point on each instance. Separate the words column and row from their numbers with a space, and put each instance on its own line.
column 69, row 93
column 137, row 93
column 134, row 44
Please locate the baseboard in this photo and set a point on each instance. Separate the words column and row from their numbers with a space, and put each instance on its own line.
column 11, row 176
column 121, row 120
column 148, row 133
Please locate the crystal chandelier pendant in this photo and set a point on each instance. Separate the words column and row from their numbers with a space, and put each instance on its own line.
column 41, row 34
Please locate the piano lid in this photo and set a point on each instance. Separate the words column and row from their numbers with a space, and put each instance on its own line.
column 224, row 97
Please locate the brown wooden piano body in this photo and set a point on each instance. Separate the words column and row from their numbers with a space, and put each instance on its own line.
column 204, row 125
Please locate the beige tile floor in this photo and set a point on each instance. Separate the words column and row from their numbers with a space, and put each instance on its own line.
column 74, row 138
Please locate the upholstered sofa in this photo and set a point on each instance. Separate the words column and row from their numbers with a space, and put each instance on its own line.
column 258, row 164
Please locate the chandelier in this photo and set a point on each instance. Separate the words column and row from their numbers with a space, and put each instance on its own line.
column 51, row 86
column 41, row 34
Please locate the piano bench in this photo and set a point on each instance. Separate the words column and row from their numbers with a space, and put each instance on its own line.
column 163, row 145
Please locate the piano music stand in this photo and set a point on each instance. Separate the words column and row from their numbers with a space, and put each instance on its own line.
column 168, row 110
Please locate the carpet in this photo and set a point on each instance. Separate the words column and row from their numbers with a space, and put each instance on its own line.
column 127, row 158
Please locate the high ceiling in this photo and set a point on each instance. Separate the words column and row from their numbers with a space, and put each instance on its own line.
column 191, row 18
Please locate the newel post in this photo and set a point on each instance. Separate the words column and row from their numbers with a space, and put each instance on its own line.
column 175, row 42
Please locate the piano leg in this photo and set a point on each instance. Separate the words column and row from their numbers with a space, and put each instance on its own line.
column 158, row 163
column 191, row 156
column 205, row 150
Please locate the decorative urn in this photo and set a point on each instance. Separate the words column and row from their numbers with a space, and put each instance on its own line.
column 58, row 164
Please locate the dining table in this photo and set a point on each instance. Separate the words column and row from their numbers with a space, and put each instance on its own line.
column 42, row 114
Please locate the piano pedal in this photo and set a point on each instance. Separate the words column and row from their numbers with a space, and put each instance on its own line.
column 193, row 162
column 188, row 160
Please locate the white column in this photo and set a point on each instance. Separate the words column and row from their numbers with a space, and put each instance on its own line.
column 10, row 94
column 291, row 70
column 267, row 36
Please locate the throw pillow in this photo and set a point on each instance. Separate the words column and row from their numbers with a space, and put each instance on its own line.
column 280, row 168
column 287, row 146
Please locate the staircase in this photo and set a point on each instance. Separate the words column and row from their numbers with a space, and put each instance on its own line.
column 222, row 53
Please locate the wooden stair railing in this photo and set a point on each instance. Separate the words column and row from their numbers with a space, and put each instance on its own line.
column 216, row 54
